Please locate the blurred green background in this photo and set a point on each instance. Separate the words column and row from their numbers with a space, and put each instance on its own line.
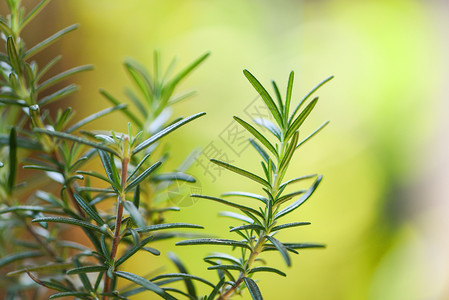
column 381, row 209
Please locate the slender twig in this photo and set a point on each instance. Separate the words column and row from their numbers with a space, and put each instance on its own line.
column 118, row 220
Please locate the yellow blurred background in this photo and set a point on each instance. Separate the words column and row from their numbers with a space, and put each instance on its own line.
column 382, row 208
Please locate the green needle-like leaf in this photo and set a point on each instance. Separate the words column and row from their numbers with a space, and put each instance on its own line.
column 232, row 204
column 253, row 288
column 183, row 276
column 246, row 195
column 241, row 172
column 208, row 241
column 300, row 201
column 226, row 267
column 180, row 266
column 166, row 131
column 61, row 76
column 265, row 97
column 281, row 248
column 257, row 135
column 44, row 268
column 89, row 209
column 19, row 256
column 142, row 176
column 87, row 269
column 70, row 294
column 289, row 225
column 144, row 283
column 167, row 226
column 267, row 269
column 312, row 134
column 288, row 97
column 12, row 159
column 133, row 250
column 307, row 97
column 294, row 126
column 70, row 221
column 74, row 138
column 94, row 117
column 48, row 41
column 134, row 213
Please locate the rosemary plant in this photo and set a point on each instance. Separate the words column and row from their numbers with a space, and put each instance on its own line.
column 120, row 210
column 48, row 145
column 261, row 223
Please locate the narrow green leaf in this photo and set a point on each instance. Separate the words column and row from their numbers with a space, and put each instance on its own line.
column 22, row 142
column 96, row 175
column 89, row 209
column 253, row 288
column 47, row 67
column 31, row 208
column 5, row 28
column 241, row 172
column 216, row 289
column 144, row 283
column 182, row 269
column 288, row 155
column 236, row 216
column 136, row 169
column 34, row 12
column 66, row 91
column 13, row 55
column 281, row 248
column 209, row 241
column 288, row 97
column 140, row 78
column 265, row 97
column 296, row 180
column 70, row 294
column 61, row 76
column 278, row 97
column 12, row 160
column 300, row 201
column 165, row 131
column 294, row 126
column 260, row 150
column 44, row 268
column 142, row 176
column 173, row 176
column 267, row 269
column 222, row 201
column 126, row 111
column 183, row 276
column 18, row 256
column 257, row 135
column 289, row 225
column 307, row 97
column 246, row 227
column 70, row 221
column 48, row 41
column 108, row 163
column 167, row 226
column 224, row 256
column 312, row 134
column 226, row 267
column 269, row 126
column 136, row 197
column 132, row 251
column 74, row 138
column 246, row 195
column 288, row 196
column 303, row 245
column 95, row 116
column 134, row 213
